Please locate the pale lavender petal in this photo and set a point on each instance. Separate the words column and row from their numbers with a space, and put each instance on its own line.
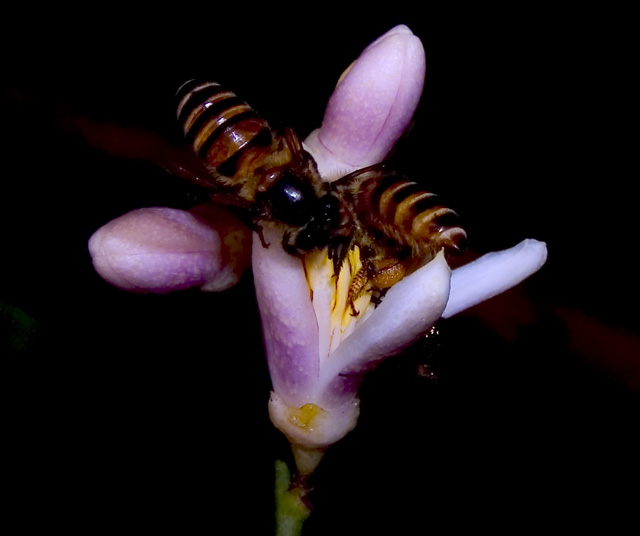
column 289, row 324
column 408, row 310
column 494, row 273
column 372, row 105
column 161, row 250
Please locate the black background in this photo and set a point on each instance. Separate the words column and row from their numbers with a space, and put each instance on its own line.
column 147, row 412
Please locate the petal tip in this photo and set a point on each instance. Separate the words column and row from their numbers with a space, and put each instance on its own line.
column 493, row 274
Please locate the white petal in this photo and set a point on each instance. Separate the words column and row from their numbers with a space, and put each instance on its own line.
column 407, row 311
column 494, row 273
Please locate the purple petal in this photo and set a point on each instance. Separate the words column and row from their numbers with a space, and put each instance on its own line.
column 160, row 250
column 289, row 324
column 372, row 105
column 494, row 273
column 290, row 331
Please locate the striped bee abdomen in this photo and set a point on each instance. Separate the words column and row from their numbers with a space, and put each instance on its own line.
column 221, row 128
column 402, row 210
column 266, row 175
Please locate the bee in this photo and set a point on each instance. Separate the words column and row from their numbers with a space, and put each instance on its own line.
column 266, row 174
column 396, row 223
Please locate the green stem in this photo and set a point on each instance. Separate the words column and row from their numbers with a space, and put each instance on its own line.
column 291, row 510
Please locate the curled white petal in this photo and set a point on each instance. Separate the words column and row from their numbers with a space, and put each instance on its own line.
column 494, row 273
column 407, row 311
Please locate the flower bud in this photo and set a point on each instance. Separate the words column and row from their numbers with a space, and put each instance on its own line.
column 372, row 105
column 161, row 250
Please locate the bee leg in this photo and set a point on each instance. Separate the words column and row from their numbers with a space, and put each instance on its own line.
column 359, row 285
column 387, row 272
column 258, row 230
column 378, row 295
column 378, row 275
column 288, row 246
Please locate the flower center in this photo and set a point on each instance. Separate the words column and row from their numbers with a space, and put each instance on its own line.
column 337, row 309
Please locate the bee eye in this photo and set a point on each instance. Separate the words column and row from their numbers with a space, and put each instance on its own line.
column 291, row 200
column 309, row 238
column 329, row 210
column 316, row 233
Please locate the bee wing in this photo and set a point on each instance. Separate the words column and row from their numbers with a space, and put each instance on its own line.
column 182, row 163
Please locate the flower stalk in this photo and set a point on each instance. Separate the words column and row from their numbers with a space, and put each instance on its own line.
column 291, row 508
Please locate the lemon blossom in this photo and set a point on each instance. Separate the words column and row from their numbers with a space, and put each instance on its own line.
column 317, row 349
column 318, row 352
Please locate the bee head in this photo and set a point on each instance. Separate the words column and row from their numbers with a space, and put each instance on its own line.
column 308, row 217
column 289, row 200
column 324, row 217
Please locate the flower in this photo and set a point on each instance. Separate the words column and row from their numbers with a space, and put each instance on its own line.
column 318, row 349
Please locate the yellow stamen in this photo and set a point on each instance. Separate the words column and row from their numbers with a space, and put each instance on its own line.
column 344, row 313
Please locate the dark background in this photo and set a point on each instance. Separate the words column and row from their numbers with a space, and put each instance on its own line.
column 149, row 412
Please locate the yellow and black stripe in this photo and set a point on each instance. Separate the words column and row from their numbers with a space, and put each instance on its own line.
column 220, row 126
column 402, row 210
